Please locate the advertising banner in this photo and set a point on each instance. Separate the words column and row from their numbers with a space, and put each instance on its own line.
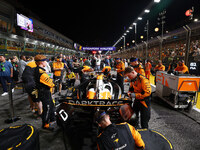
column 99, row 48
column 9, row 48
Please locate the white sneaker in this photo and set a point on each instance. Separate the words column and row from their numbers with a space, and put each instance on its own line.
column 4, row 94
column 13, row 90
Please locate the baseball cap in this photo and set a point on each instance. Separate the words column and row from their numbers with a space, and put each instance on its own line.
column 133, row 59
column 40, row 58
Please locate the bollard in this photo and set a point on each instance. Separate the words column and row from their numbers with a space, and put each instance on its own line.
column 12, row 112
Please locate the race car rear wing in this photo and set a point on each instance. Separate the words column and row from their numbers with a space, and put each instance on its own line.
column 96, row 102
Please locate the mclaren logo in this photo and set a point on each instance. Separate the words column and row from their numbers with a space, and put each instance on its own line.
column 116, row 140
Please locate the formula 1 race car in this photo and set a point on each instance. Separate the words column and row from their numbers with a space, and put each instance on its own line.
column 75, row 113
column 96, row 92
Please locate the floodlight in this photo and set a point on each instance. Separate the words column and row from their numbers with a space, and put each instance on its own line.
column 156, row 1
column 146, row 10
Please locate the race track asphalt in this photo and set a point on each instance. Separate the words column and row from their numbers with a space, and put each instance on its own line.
column 181, row 129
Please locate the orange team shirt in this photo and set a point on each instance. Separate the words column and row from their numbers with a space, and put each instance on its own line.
column 106, row 67
column 58, row 65
column 120, row 67
column 142, row 87
column 148, row 66
column 135, row 134
column 140, row 70
column 183, row 68
column 160, row 68
column 86, row 69
column 32, row 64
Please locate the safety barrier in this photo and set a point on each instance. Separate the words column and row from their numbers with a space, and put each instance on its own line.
column 12, row 118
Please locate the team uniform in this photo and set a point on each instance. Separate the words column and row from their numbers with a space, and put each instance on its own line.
column 148, row 70
column 120, row 74
column 82, row 74
column 44, row 84
column 182, row 68
column 139, row 69
column 58, row 73
column 106, row 70
column 141, row 89
column 119, row 136
column 137, row 66
column 86, row 69
column 159, row 68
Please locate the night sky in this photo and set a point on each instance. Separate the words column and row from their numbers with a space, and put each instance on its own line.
column 102, row 22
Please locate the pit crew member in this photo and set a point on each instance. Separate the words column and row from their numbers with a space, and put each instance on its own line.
column 58, row 67
column 159, row 67
column 44, row 85
column 140, row 90
column 117, row 136
column 137, row 66
column 148, row 69
column 182, row 68
column 120, row 67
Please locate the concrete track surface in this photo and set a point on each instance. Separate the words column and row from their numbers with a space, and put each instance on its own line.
column 182, row 129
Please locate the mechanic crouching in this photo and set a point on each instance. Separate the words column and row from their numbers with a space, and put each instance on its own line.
column 117, row 136
column 106, row 70
column 140, row 90
column 44, row 85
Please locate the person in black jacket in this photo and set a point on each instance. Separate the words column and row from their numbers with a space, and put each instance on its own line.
column 172, row 66
column 44, row 85
column 117, row 136
column 29, row 86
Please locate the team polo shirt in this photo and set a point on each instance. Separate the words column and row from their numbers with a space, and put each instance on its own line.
column 58, row 65
column 148, row 67
column 160, row 68
column 86, row 69
column 183, row 68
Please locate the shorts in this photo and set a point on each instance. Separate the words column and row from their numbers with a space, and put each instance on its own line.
column 76, row 70
column 58, row 78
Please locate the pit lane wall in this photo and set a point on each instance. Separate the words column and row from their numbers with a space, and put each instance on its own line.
column 152, row 81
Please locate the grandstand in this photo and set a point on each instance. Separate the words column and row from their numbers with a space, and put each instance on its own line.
column 174, row 46
column 43, row 39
